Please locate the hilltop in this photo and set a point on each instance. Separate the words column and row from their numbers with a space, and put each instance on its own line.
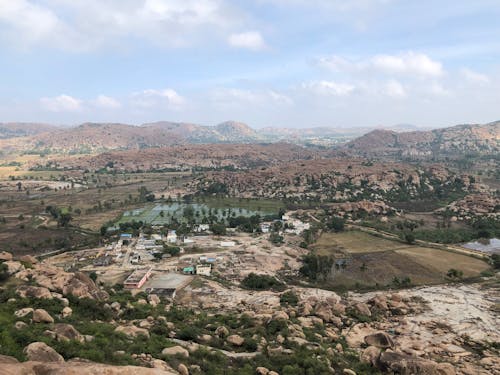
column 453, row 141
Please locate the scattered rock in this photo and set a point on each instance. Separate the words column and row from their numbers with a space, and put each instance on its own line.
column 176, row 350
column 370, row 355
column 406, row 364
column 363, row 309
column 42, row 316
column 41, row 352
column 5, row 256
column 183, row 370
column 235, row 340
column 66, row 312
column 23, row 312
column 154, row 300
column 13, row 267
column 20, row 325
column 28, row 259
column 66, row 332
column 261, row 371
column 132, row 331
column 28, row 291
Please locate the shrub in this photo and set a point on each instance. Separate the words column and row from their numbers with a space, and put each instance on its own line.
column 261, row 282
column 289, row 298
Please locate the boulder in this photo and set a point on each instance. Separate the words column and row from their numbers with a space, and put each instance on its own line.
column 175, row 350
column 262, row 371
column 280, row 315
column 379, row 340
column 20, row 325
column 28, row 259
column 41, row 352
column 66, row 332
column 235, row 340
column 23, row 312
column 405, row 364
column 132, row 331
column 348, row 371
column 370, row 355
column 154, row 300
column 182, row 369
column 66, row 312
column 5, row 256
column 42, row 316
column 13, row 267
column 29, row 291
column 363, row 309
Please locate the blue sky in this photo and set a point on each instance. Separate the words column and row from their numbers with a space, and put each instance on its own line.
column 287, row 63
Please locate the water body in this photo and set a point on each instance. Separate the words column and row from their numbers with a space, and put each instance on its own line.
column 488, row 246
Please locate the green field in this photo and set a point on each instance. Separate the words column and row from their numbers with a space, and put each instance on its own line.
column 165, row 213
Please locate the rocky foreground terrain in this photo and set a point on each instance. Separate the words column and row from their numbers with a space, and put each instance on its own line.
column 58, row 322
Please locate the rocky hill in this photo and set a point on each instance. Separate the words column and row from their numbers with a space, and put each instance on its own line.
column 437, row 143
column 23, row 129
column 181, row 157
column 98, row 137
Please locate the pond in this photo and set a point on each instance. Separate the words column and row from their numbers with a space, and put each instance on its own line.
column 485, row 245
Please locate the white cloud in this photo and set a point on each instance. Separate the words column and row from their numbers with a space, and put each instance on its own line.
column 228, row 97
column 329, row 88
column 82, row 25
column 408, row 63
column 251, row 40
column 395, row 89
column 61, row 103
column 166, row 98
column 474, row 77
column 106, row 102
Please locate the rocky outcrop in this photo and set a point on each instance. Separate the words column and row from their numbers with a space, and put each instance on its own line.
column 175, row 351
column 42, row 316
column 76, row 368
column 66, row 332
column 41, row 352
column 235, row 340
column 379, row 340
column 407, row 365
column 5, row 256
column 55, row 279
column 28, row 291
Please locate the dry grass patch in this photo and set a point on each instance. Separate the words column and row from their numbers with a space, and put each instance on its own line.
column 442, row 260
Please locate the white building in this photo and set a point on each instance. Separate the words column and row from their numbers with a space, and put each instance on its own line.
column 171, row 236
column 203, row 269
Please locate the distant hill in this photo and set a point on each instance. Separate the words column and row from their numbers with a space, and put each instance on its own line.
column 454, row 141
column 99, row 137
column 23, row 129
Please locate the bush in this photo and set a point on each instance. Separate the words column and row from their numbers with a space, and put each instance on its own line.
column 337, row 224
column 289, row 298
column 261, row 282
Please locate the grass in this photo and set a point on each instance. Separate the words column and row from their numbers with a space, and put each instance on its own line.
column 354, row 242
column 442, row 260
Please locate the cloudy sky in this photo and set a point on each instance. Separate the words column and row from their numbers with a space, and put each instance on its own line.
column 293, row 63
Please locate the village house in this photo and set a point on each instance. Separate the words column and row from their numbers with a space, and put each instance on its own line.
column 172, row 236
column 137, row 278
column 203, row 269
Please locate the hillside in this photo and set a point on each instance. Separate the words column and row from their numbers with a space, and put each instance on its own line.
column 451, row 142
column 98, row 137
column 23, row 129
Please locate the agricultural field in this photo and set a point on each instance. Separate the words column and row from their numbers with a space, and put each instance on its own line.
column 443, row 260
column 354, row 242
column 199, row 212
column 374, row 262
